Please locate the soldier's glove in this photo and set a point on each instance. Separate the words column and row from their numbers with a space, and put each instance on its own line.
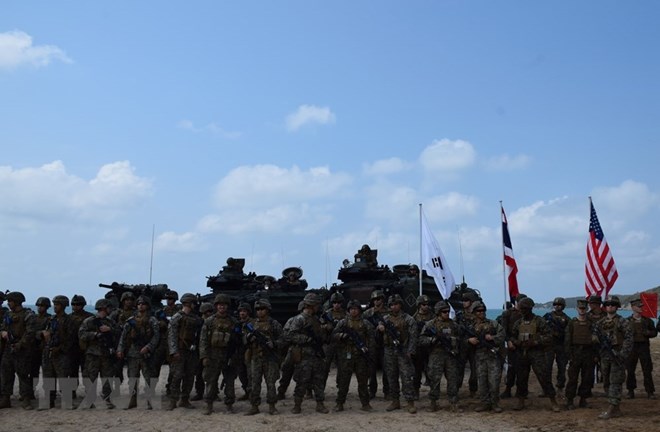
column 344, row 336
column 250, row 337
column 434, row 340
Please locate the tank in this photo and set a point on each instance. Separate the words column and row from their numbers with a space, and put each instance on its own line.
column 364, row 275
column 284, row 293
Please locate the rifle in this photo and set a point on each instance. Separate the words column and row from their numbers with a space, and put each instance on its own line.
column 106, row 339
column 359, row 344
column 262, row 340
column 481, row 336
column 326, row 317
column 54, row 341
column 442, row 339
column 555, row 325
column 606, row 343
column 140, row 336
column 316, row 342
column 394, row 334
column 11, row 337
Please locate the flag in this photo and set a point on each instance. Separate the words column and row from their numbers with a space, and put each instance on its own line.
column 649, row 305
column 599, row 268
column 509, row 261
column 434, row 262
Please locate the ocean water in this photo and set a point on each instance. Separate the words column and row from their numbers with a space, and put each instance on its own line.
column 571, row 312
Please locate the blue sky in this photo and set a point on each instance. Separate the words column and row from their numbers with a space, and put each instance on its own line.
column 290, row 133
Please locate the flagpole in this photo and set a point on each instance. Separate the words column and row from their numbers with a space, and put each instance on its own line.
column 421, row 267
column 503, row 252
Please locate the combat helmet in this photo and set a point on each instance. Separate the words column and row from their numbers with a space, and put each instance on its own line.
column 126, row 295
column 311, row 299
column 336, row 297
column 478, row 306
column 422, row 299
column 396, row 298
column 354, row 304
column 78, row 300
column 172, row 295
column 102, row 304
column 377, row 294
column 144, row 300
column 441, row 306
column 206, row 307
column 612, row 300
column 526, row 304
column 262, row 303
column 222, row 299
column 43, row 301
column 16, row 297
column 61, row 299
column 245, row 306
column 189, row 298
column 561, row 301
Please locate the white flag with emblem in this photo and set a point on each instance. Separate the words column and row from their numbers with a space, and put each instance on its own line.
column 434, row 262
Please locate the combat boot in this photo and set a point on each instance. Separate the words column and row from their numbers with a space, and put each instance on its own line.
column 254, row 409
column 520, row 405
column 320, row 408
column 453, row 407
column 506, row 394
column 339, row 407
column 650, row 395
column 483, row 407
column 553, row 404
column 272, row 410
column 197, row 397
column 631, row 394
column 411, row 407
column 297, row 402
column 230, row 408
column 583, row 402
column 172, row 405
column 616, row 411
column 366, row 406
column 4, row 402
column 185, row 403
column 496, row 408
column 26, row 404
column 608, row 414
column 569, row 404
column 433, row 407
column 208, row 410
column 132, row 403
column 394, row 405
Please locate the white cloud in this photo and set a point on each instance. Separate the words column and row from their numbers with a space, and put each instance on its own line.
column 630, row 198
column 386, row 166
column 211, row 128
column 16, row 50
column 445, row 157
column 172, row 242
column 309, row 114
column 48, row 193
column 507, row 163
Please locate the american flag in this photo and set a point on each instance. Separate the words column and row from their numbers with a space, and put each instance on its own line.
column 599, row 268
column 509, row 260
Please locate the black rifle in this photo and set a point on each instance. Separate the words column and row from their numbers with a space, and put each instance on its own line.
column 442, row 339
column 556, row 326
column 11, row 337
column 264, row 341
column 481, row 336
column 140, row 336
column 394, row 334
column 106, row 339
column 326, row 317
column 606, row 343
column 359, row 344
column 316, row 342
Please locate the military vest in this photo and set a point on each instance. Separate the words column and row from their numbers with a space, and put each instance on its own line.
column 220, row 331
column 612, row 328
column 527, row 330
column 141, row 332
column 638, row 330
column 189, row 326
column 401, row 326
column 581, row 332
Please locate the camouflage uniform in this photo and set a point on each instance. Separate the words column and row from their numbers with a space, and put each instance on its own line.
column 440, row 337
column 509, row 318
column 374, row 316
column 557, row 322
column 307, row 337
column 287, row 367
column 19, row 326
column 120, row 316
column 488, row 354
column 581, row 351
column 56, row 355
column 531, row 336
column 140, row 332
column 398, row 353
column 182, row 335
column 218, row 342
column 77, row 355
column 355, row 342
column 330, row 319
column 262, row 358
column 616, row 331
column 643, row 329
column 99, row 355
column 465, row 319
column 421, row 357
column 41, row 319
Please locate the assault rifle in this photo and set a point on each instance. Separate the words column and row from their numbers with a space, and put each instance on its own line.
column 140, row 336
column 394, row 334
column 316, row 342
column 442, row 339
column 557, row 328
column 326, row 317
column 264, row 341
column 106, row 339
column 481, row 336
column 11, row 337
column 606, row 343
column 359, row 344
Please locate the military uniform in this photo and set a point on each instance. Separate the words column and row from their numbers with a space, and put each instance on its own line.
column 139, row 339
column 643, row 330
column 440, row 337
column 355, row 342
column 509, row 318
column 423, row 314
column 489, row 336
column 330, row 318
column 41, row 319
column 287, row 368
column 557, row 321
column 77, row 355
column 182, row 336
column 18, row 333
column 465, row 319
column 374, row 315
column 581, row 350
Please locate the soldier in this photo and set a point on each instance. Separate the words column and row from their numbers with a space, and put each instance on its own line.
column 557, row 320
column 217, row 343
column 125, row 312
column 530, row 336
column 355, row 338
column 581, row 352
column 464, row 319
column 616, row 341
column 399, row 333
column 182, row 337
column 139, row 339
column 487, row 339
column 41, row 319
column 288, row 367
column 17, row 332
column 509, row 318
column 170, row 309
column 330, row 318
column 262, row 337
column 242, row 367
column 643, row 330
column 423, row 314
column 595, row 314
column 374, row 315
column 307, row 336
column 99, row 335
column 441, row 337
column 3, row 312
column 78, row 315
column 206, row 310
column 59, row 338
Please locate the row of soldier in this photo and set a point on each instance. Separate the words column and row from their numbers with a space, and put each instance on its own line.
column 201, row 344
